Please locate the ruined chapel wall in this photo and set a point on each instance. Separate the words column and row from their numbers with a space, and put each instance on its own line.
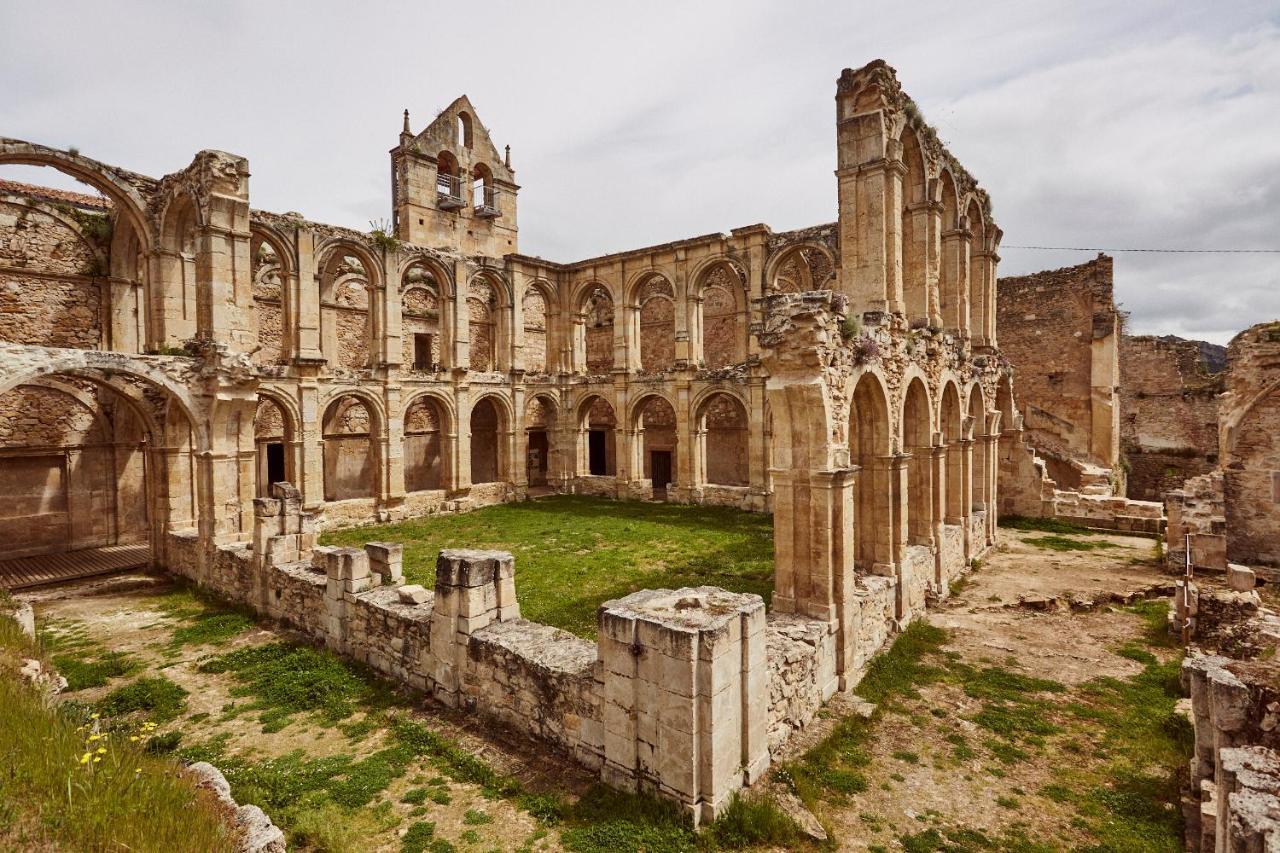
column 1251, row 446
column 1168, row 414
column 1059, row 329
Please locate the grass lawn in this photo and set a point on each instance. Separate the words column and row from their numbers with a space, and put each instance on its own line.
column 574, row 552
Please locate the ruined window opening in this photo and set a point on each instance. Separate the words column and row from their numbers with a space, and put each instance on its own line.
column 464, row 130
column 422, row 349
column 275, row 462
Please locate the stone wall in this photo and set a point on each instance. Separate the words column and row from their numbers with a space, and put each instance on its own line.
column 1060, row 331
column 1168, row 412
column 1250, row 435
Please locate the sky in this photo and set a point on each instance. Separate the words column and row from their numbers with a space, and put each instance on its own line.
column 1093, row 125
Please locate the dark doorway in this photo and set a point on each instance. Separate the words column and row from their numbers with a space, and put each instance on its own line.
column 275, row 462
column 660, row 466
column 597, row 452
column 536, row 467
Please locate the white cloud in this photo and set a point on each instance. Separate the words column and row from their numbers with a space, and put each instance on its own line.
column 1149, row 124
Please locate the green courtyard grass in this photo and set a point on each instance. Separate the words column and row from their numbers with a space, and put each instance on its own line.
column 572, row 553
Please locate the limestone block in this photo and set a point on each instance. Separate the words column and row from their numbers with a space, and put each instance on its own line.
column 413, row 594
column 386, row 559
column 1241, row 578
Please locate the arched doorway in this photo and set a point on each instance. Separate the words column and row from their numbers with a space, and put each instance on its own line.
column 916, row 434
column 981, row 472
column 597, row 428
column 952, row 434
column 540, row 445
column 425, row 437
column 722, row 428
column 656, row 441
column 487, row 428
column 869, row 449
column 350, row 457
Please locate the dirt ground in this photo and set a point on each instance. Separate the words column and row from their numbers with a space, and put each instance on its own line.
column 124, row 614
column 916, row 780
column 1028, row 609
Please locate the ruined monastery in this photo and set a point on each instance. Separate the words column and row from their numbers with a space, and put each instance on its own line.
column 191, row 383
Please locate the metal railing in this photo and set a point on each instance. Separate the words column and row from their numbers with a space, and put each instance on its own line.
column 449, row 191
column 486, row 198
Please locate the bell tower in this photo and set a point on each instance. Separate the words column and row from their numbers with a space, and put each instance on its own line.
column 451, row 189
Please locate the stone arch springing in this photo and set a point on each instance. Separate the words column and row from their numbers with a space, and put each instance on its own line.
column 535, row 310
column 655, row 442
column 981, row 464
column 423, row 312
column 951, row 422
column 490, row 431
column 597, row 437
column 723, row 316
column 275, row 438
column 870, row 449
column 917, row 432
column 427, row 447
column 542, row 455
column 656, row 323
column 800, row 268
column 593, row 329
column 722, row 435
column 349, row 431
column 915, row 231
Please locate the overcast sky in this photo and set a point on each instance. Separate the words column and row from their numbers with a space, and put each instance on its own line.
column 1093, row 124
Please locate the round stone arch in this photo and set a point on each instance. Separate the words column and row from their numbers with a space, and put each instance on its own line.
column 353, row 461
column 870, row 442
column 721, row 438
column 779, row 258
column 273, row 305
column 719, row 311
column 426, row 342
column 542, row 438
column 490, row 428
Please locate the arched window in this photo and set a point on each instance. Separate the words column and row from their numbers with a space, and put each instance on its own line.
column 869, row 449
column 482, row 304
column 464, row 130
column 915, row 236
column 448, row 182
column 268, row 301
column 952, row 432
column 534, row 311
column 420, row 320
column 979, row 287
column 595, row 319
column 723, row 318
column 345, row 319
column 800, row 269
column 657, row 325
column 484, row 195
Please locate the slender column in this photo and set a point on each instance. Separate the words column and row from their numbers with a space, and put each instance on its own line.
column 938, row 496
column 966, row 494
column 307, row 296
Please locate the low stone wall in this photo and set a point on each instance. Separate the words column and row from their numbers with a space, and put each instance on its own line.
column 1109, row 512
column 599, row 486
column 617, row 706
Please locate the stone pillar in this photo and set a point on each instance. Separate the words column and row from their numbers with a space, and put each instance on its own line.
column 898, row 495
column 966, row 495
column 308, row 299
column 386, row 560
column 473, row 590
column 939, row 473
column 685, row 695
column 346, row 574
column 955, row 276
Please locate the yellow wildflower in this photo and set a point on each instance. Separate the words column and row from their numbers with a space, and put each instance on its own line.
column 102, row 750
column 92, row 738
column 93, row 716
column 97, row 758
column 84, row 759
column 137, row 770
column 133, row 738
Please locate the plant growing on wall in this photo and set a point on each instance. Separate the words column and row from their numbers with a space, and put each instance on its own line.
column 381, row 235
column 865, row 350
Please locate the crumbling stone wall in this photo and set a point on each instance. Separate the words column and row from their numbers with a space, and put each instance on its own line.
column 1168, row 412
column 52, row 269
column 1060, row 331
column 1250, row 435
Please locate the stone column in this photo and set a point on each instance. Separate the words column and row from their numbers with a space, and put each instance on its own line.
column 308, row 298
column 473, row 590
column 938, row 472
column 685, row 695
column 966, row 495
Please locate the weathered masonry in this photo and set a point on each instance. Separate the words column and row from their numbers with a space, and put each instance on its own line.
column 172, row 358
